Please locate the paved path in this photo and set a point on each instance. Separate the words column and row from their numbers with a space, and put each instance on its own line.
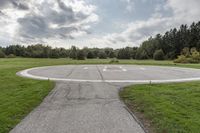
column 85, row 99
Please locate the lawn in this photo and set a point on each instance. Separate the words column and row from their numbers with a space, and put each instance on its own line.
column 18, row 96
column 166, row 108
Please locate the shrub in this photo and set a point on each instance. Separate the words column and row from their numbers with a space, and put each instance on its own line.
column 2, row 55
column 181, row 59
column 114, row 61
column 90, row 55
column 141, row 55
column 159, row 55
column 186, row 57
column 191, row 60
column 193, row 49
column 195, row 56
column 112, row 54
column 186, row 52
column 102, row 55
column 80, row 55
column 11, row 56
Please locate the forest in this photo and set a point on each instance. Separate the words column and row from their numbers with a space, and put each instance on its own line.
column 175, row 43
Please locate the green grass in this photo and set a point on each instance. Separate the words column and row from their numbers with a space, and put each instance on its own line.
column 169, row 108
column 18, row 96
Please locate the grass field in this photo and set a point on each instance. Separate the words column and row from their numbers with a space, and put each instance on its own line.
column 18, row 96
column 166, row 108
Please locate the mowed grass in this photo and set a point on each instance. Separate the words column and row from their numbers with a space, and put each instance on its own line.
column 168, row 108
column 18, row 96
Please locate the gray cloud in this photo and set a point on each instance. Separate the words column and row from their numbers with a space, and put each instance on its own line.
column 19, row 4
column 53, row 20
column 32, row 26
column 1, row 13
column 63, row 6
column 4, row 3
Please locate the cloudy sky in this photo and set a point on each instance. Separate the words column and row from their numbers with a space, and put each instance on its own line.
column 91, row 23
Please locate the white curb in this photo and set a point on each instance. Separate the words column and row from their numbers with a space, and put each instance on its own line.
column 25, row 73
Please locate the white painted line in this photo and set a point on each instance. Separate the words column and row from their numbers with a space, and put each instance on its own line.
column 25, row 73
column 142, row 68
column 85, row 68
column 105, row 68
column 124, row 70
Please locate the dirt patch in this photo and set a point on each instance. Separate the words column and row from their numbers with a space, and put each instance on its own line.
column 140, row 116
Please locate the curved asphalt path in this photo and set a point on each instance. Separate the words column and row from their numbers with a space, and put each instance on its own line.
column 85, row 99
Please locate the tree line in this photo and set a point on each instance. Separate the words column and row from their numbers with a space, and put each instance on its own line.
column 172, row 42
column 42, row 51
column 167, row 46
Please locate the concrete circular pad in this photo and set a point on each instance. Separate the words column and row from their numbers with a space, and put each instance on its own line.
column 112, row 73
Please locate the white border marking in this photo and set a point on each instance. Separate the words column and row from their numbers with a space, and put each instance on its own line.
column 85, row 68
column 105, row 68
column 142, row 68
column 124, row 70
column 25, row 73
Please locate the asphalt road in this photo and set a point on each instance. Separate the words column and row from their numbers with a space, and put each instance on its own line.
column 85, row 99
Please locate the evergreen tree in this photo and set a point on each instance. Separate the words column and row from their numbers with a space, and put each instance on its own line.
column 2, row 55
column 73, row 52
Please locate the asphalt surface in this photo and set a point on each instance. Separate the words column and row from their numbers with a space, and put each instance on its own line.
column 85, row 99
column 113, row 73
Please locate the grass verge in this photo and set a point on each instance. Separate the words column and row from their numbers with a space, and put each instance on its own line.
column 165, row 108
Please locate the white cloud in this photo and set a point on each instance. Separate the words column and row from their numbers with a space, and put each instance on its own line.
column 138, row 31
column 39, row 20
column 57, row 21
column 184, row 10
column 129, row 5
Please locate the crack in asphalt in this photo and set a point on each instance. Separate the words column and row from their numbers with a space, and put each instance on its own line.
column 99, row 71
column 71, row 71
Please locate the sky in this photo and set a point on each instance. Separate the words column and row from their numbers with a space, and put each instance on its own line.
column 91, row 23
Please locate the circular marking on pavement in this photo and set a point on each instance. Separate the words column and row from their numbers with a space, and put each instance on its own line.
column 26, row 73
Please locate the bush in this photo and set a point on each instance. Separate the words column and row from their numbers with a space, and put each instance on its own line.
column 181, row 59
column 159, row 55
column 90, row 55
column 186, row 52
column 2, row 55
column 114, row 61
column 193, row 49
column 11, row 56
column 102, row 55
column 191, row 60
column 195, row 56
column 80, row 55
column 141, row 55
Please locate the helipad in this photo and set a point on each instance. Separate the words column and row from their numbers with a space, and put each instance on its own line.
column 112, row 73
